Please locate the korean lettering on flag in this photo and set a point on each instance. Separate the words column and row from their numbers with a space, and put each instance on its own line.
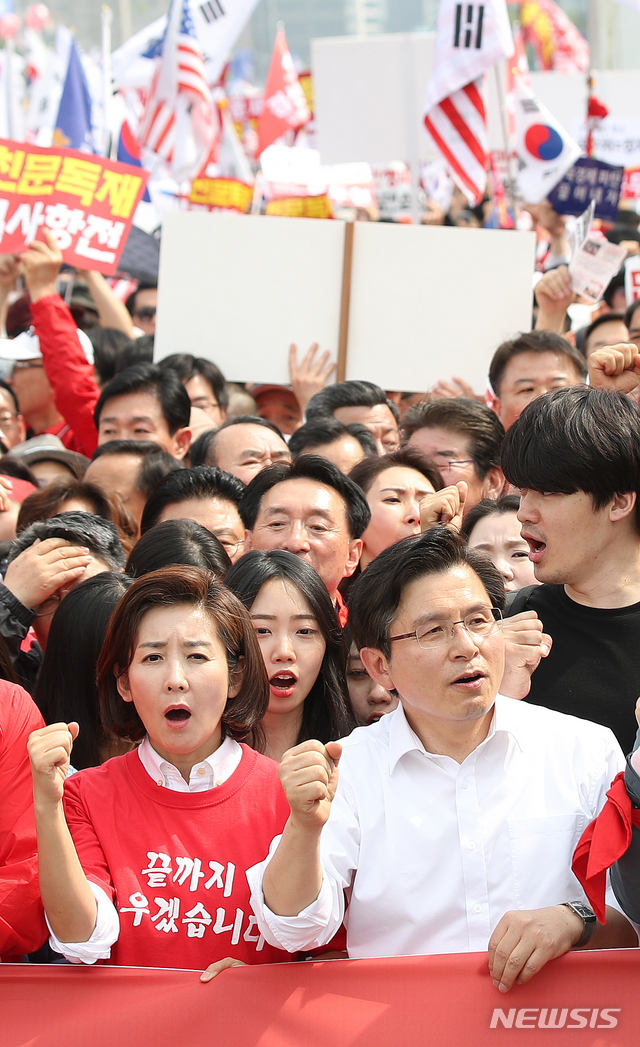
column 87, row 202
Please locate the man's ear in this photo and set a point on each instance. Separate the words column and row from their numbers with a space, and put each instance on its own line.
column 494, row 483
column 122, row 683
column 181, row 442
column 376, row 664
column 355, row 552
column 248, row 544
column 622, row 505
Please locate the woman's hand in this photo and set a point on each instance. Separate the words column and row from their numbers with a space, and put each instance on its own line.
column 221, row 965
column 50, row 755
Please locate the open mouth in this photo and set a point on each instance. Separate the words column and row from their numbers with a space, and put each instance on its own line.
column 536, row 548
column 470, row 680
column 283, row 684
column 180, row 715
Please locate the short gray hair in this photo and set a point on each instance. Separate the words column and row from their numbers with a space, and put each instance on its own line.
column 97, row 534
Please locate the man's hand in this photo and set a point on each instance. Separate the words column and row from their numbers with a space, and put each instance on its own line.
column 615, row 367
column 525, row 940
column 9, row 272
column 554, row 295
column 525, row 645
column 453, row 390
column 43, row 568
column 50, row 754
column 309, row 776
column 41, row 263
column 445, row 507
column 310, row 375
column 221, row 965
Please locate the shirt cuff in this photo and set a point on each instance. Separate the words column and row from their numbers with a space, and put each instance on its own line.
column 105, row 932
column 311, row 928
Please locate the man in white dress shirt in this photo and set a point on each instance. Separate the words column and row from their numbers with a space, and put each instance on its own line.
column 455, row 819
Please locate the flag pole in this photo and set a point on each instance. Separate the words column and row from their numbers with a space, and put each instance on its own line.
column 10, row 114
column 507, row 146
column 106, row 19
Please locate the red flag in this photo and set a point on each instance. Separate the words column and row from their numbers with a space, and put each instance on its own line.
column 285, row 106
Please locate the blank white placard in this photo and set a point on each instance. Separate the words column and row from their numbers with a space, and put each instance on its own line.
column 429, row 302
column 238, row 289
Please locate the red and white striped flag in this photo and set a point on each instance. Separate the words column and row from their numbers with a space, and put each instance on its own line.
column 179, row 123
column 471, row 38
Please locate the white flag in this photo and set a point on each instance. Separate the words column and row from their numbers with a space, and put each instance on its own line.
column 470, row 39
column 544, row 149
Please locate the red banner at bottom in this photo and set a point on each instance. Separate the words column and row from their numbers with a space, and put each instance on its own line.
column 584, row 999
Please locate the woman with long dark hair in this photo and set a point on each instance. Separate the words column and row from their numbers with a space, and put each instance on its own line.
column 301, row 643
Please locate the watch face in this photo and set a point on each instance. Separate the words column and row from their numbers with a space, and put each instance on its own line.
column 583, row 910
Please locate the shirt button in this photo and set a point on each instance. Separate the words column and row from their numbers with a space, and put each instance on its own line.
column 465, row 784
column 219, row 781
column 160, row 782
column 471, row 845
column 200, row 771
column 477, row 908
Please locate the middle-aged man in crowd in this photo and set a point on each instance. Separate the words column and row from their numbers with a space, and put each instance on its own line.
column 528, row 366
column 452, row 821
column 575, row 455
column 361, row 402
column 131, row 468
column 310, row 508
column 344, row 445
column 47, row 560
column 242, row 446
column 464, row 438
column 145, row 403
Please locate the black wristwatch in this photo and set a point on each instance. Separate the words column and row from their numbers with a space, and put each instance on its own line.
column 588, row 917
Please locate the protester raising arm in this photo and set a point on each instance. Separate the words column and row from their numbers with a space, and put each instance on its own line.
column 554, row 295
column 310, row 375
column 615, row 367
column 9, row 273
column 67, row 368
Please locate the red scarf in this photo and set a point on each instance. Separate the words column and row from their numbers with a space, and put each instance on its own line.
column 605, row 840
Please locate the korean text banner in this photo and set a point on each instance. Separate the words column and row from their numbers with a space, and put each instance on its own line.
column 587, row 999
column 87, row 202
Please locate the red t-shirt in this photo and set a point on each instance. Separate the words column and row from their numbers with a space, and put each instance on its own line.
column 22, row 926
column 174, row 863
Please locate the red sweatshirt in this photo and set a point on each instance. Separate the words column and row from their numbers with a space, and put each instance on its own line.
column 69, row 372
column 174, row 863
column 22, row 926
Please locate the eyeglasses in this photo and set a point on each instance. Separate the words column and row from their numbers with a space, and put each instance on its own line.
column 440, row 632
column 7, row 420
column 203, row 404
column 230, row 548
column 146, row 313
column 25, row 365
column 50, row 605
column 450, row 463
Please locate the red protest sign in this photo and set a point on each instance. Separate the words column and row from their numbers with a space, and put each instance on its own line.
column 87, row 202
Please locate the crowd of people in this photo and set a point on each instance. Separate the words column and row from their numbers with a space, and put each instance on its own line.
column 324, row 670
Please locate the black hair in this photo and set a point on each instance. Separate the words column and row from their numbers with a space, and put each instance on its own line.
column 476, row 422
column 202, row 483
column 630, row 310
column 97, row 534
column 307, row 467
column 134, row 351
column 326, row 713
column 366, row 471
column 615, row 283
column 178, row 542
column 10, row 465
column 66, row 689
column 8, row 389
column 155, row 461
column 130, row 300
column 605, row 318
column 533, row 342
column 107, row 343
column 576, row 439
column 508, row 503
column 377, row 593
column 187, row 366
column 147, row 378
column 348, row 394
column 326, row 431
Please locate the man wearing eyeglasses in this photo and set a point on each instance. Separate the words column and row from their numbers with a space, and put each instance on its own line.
column 142, row 306
column 452, row 821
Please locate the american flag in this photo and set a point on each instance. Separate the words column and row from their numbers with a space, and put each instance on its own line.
column 178, row 122
column 471, row 38
column 458, row 128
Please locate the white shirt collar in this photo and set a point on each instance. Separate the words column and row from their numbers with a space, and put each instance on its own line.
column 212, row 771
column 403, row 739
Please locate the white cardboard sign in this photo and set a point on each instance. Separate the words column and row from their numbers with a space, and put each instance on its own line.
column 426, row 302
